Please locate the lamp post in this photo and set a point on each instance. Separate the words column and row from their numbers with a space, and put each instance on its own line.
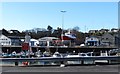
column 62, row 23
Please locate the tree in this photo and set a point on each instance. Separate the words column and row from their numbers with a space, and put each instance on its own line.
column 5, row 32
column 76, row 28
column 49, row 28
column 57, row 32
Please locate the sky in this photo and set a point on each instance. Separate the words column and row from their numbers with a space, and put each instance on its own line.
column 85, row 15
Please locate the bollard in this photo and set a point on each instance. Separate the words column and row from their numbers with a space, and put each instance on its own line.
column 82, row 62
column 62, row 64
column 93, row 61
column 109, row 61
column 16, row 63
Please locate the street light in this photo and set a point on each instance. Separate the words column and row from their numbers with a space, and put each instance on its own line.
column 62, row 23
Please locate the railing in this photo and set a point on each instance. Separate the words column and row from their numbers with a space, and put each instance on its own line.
column 63, row 59
column 63, row 46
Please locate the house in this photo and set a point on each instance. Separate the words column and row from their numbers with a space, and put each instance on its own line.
column 47, row 41
column 114, row 30
column 10, row 40
column 107, row 39
column 92, row 41
column 7, row 38
column 93, row 31
column 14, row 31
column 34, row 42
column 15, row 40
column 4, row 40
column 104, row 30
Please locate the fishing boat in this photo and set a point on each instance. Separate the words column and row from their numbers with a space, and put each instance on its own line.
column 68, row 36
column 56, row 54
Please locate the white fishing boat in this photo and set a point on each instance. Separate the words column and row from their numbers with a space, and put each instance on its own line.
column 104, row 54
column 80, row 55
column 56, row 54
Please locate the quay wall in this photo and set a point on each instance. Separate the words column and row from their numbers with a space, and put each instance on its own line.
column 18, row 49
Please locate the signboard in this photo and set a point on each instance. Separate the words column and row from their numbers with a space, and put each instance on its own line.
column 25, row 46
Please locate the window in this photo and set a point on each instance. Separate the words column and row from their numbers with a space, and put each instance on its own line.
column 106, row 38
column 91, row 38
column 9, row 42
column 102, row 38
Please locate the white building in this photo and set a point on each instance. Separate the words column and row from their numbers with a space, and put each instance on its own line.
column 10, row 40
column 92, row 41
column 47, row 41
column 34, row 42
column 4, row 40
